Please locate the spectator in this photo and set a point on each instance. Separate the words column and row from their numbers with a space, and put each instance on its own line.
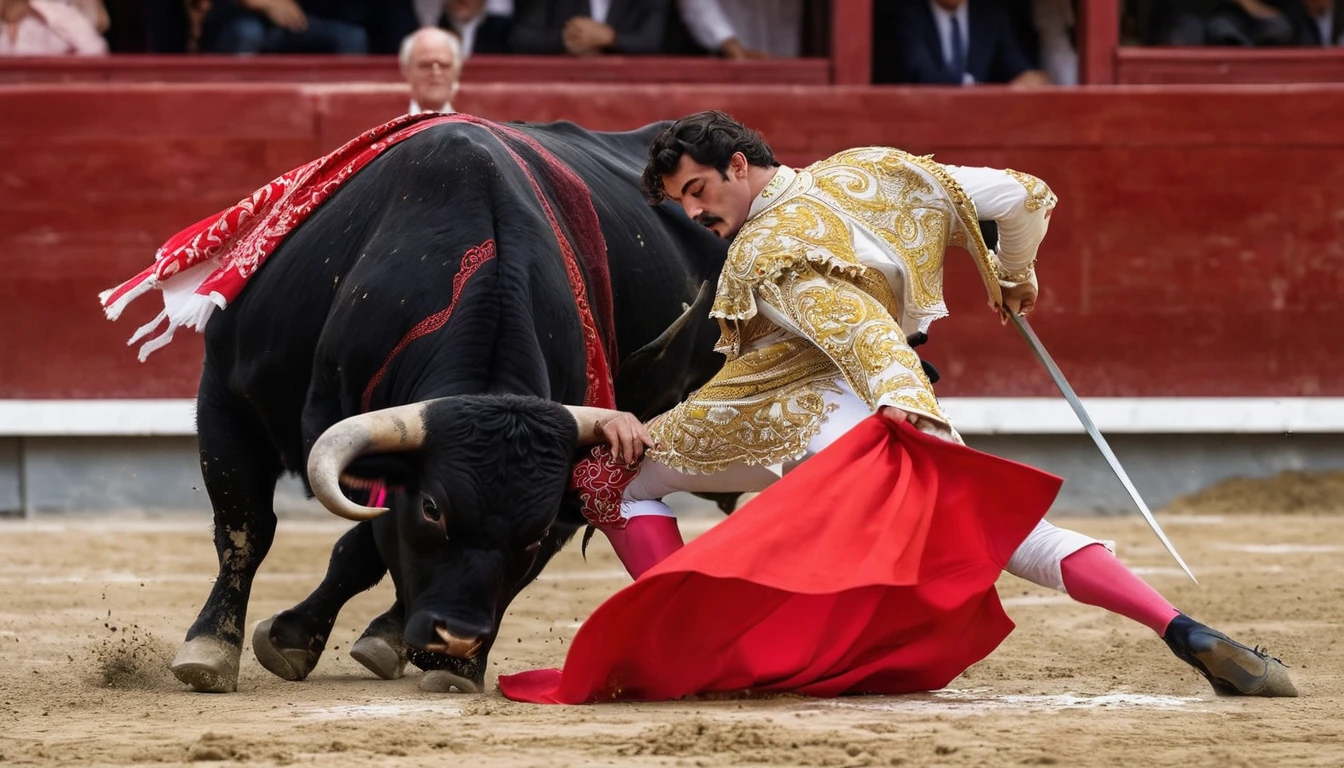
column 482, row 25
column 950, row 42
column 431, row 62
column 1222, row 22
column 94, row 11
column 588, row 27
column 1055, row 22
column 745, row 29
column 1315, row 22
column 288, row 26
column 46, row 28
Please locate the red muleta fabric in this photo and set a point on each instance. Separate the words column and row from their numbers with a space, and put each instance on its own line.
column 869, row 569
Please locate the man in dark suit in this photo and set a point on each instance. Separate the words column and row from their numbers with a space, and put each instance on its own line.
column 481, row 27
column 1315, row 22
column 588, row 27
column 949, row 42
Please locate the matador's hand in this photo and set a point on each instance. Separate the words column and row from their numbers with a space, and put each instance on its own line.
column 897, row 415
column 626, row 434
column 1019, row 300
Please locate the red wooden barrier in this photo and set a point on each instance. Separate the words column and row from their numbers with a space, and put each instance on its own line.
column 1159, row 66
column 1198, row 249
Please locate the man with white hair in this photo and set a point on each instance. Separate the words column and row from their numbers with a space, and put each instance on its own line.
column 431, row 62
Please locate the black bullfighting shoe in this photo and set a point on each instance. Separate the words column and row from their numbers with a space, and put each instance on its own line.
column 1232, row 668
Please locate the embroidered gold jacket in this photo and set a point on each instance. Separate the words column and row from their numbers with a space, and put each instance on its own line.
column 836, row 265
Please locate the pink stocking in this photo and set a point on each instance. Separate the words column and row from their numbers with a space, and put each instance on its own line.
column 645, row 541
column 1094, row 576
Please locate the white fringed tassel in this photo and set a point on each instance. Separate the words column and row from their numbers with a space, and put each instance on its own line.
column 195, row 312
column 114, row 310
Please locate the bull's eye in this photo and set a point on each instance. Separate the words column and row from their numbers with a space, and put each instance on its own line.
column 430, row 509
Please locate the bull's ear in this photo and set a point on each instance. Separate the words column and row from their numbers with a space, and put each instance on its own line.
column 644, row 377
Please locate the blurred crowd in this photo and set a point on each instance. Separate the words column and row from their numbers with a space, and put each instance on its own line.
column 915, row 41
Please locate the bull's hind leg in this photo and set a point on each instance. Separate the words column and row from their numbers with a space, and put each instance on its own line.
column 290, row 643
column 240, row 467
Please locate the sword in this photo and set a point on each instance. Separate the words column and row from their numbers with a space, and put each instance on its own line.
column 1058, row 377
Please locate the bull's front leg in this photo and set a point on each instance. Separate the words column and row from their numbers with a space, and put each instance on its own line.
column 240, row 468
column 290, row 643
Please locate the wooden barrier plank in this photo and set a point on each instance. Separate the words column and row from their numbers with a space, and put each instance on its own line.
column 1167, row 66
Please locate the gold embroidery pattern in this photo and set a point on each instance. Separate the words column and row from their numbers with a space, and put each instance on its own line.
column 968, row 235
column 761, row 409
column 906, row 200
column 773, row 188
column 1020, row 276
column 898, row 204
column 859, row 336
column 785, row 237
column 1039, row 194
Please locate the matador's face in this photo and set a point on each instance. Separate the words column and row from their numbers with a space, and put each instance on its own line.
column 719, row 200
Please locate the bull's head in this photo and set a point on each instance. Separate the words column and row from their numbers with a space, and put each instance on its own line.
column 491, row 470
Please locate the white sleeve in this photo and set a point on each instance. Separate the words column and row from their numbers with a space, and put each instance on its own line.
column 1020, row 204
column 706, row 22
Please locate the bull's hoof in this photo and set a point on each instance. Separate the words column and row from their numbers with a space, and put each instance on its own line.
column 283, row 662
column 443, row 681
column 379, row 656
column 208, row 665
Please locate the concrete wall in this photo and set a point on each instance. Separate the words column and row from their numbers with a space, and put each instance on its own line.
column 43, row 475
column 160, row 475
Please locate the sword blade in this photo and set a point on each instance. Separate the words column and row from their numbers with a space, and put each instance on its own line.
column 1024, row 328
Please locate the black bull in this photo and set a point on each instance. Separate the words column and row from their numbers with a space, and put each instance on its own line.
column 358, row 311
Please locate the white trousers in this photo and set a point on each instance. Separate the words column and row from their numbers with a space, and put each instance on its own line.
column 1037, row 560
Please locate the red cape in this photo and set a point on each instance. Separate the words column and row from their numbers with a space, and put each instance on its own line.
column 869, row 569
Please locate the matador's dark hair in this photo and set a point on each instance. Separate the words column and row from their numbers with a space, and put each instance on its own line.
column 710, row 138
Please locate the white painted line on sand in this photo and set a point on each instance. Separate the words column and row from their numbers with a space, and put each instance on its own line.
column 364, row 711
column 584, row 576
column 1036, row 600
column 1283, row 549
column 980, row 700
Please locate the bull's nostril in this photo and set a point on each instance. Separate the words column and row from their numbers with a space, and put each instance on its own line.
column 461, row 647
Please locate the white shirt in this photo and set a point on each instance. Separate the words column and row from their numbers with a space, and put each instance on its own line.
column 942, row 18
column 415, row 109
column 1326, row 23
column 600, row 9
column 428, row 12
column 467, row 32
column 1054, row 23
column 772, row 26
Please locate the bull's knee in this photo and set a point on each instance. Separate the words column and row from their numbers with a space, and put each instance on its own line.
column 208, row 664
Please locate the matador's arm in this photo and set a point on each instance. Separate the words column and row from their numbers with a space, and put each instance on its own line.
column 1020, row 204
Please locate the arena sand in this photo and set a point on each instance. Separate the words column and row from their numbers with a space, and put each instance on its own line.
column 91, row 611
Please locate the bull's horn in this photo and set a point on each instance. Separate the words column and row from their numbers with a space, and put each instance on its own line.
column 392, row 429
